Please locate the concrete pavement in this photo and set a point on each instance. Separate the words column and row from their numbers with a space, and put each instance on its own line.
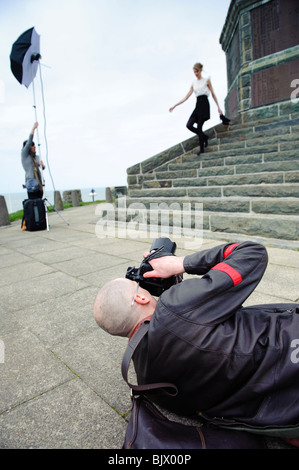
column 61, row 385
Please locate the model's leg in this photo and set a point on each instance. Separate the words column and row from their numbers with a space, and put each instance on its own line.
column 190, row 124
column 201, row 135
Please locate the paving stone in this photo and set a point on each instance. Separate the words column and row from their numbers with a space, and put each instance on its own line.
column 61, row 383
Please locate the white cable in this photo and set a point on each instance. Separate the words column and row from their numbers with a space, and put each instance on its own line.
column 36, row 120
column 45, row 123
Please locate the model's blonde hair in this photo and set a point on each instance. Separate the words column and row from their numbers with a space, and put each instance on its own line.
column 198, row 66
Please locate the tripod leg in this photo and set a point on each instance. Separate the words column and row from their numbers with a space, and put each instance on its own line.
column 54, row 209
column 47, row 220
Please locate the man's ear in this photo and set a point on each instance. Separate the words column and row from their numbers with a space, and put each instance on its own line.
column 141, row 299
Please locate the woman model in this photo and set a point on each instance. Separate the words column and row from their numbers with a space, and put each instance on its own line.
column 201, row 88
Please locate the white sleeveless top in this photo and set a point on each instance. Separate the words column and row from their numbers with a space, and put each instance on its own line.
column 200, row 87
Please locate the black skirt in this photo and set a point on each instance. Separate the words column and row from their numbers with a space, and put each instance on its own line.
column 202, row 109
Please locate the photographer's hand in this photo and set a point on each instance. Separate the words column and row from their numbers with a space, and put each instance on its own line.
column 165, row 267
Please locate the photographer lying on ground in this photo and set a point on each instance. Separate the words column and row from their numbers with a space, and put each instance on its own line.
column 231, row 364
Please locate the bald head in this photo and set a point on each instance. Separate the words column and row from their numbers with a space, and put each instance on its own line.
column 112, row 307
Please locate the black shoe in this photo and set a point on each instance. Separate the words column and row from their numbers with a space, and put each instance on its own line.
column 224, row 120
column 202, row 150
column 206, row 140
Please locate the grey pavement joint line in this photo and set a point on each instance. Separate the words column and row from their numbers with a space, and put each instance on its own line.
column 37, row 396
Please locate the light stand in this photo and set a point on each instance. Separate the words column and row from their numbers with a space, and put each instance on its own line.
column 47, row 204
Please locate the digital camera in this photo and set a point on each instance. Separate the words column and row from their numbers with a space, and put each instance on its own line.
column 160, row 247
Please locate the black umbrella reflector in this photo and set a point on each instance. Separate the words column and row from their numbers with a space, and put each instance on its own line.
column 24, row 57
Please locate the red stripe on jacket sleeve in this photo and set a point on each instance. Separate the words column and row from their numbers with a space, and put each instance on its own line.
column 233, row 274
column 229, row 249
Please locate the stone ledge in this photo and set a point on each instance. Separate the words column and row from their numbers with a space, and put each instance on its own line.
column 272, row 227
column 266, row 190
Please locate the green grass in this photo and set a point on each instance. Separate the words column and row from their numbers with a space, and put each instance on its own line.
column 19, row 214
column 15, row 216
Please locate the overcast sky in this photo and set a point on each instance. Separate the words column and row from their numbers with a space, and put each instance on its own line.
column 111, row 69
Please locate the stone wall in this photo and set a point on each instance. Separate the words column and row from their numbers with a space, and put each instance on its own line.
column 67, row 196
column 260, row 39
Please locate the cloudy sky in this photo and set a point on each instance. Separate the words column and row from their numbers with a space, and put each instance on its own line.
column 111, row 69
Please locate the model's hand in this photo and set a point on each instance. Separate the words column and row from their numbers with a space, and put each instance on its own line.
column 165, row 267
column 171, row 109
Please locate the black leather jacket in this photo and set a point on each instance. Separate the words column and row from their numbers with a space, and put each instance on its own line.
column 230, row 363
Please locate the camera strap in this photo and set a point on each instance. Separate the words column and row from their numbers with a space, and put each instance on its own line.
column 157, row 253
column 139, row 389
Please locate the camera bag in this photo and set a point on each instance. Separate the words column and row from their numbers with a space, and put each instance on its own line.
column 34, row 217
column 32, row 185
column 149, row 428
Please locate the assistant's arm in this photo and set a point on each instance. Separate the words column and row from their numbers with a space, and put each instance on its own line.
column 35, row 125
column 27, row 146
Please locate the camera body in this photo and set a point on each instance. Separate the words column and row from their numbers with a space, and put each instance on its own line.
column 160, row 247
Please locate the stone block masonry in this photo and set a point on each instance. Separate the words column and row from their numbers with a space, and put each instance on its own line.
column 247, row 180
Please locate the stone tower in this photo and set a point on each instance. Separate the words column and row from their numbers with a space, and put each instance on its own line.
column 261, row 42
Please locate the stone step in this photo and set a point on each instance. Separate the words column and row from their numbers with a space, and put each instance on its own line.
column 275, row 206
column 194, row 170
column 287, row 126
column 262, row 190
column 230, row 165
column 268, row 151
column 246, row 182
column 272, row 226
column 239, row 179
column 284, row 227
column 238, row 130
column 265, row 116
column 231, row 147
column 244, row 190
column 191, row 180
column 212, row 163
column 276, row 142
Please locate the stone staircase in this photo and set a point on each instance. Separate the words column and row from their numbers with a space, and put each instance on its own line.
column 247, row 180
